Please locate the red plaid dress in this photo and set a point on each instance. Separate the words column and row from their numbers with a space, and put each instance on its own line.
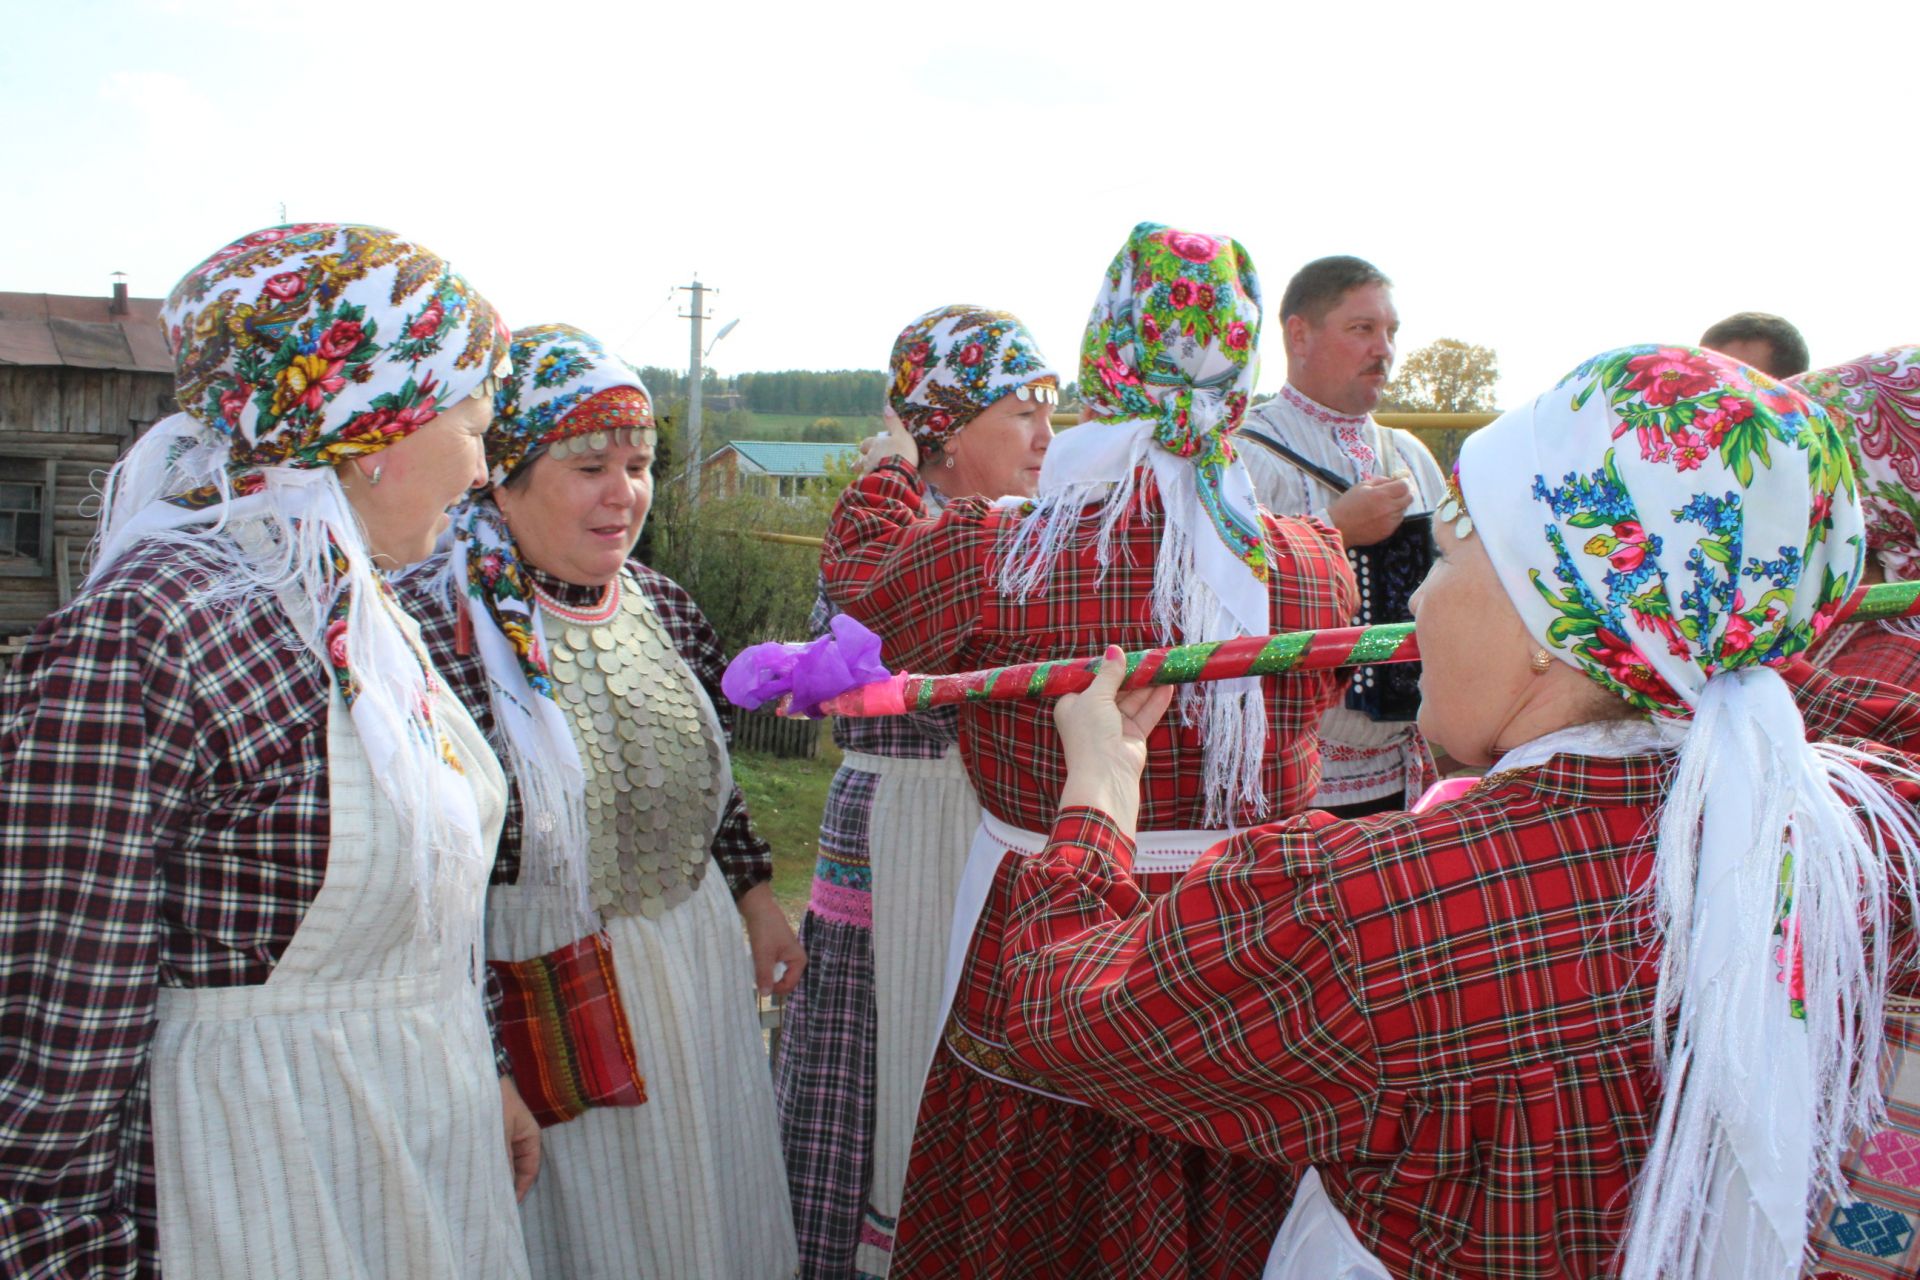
column 163, row 823
column 1444, row 1012
column 1875, row 652
column 1877, row 1237
column 1008, row 1178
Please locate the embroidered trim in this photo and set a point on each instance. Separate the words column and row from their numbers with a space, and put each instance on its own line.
column 590, row 615
column 1317, row 411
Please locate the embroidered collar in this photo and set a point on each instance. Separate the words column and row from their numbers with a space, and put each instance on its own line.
column 1318, row 412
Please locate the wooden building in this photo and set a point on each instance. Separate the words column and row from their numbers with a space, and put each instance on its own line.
column 80, row 378
column 776, row 468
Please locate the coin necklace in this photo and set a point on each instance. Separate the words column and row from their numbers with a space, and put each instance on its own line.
column 653, row 778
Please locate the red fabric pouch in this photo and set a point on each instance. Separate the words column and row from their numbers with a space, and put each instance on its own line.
column 566, row 1033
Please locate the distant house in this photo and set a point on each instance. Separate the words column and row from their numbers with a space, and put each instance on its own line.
column 783, row 468
column 80, row 378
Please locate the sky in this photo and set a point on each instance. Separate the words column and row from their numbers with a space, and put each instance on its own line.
column 1548, row 179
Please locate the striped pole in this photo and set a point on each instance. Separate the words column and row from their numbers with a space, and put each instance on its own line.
column 1220, row 660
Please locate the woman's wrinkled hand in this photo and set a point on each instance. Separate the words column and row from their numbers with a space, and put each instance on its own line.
column 895, row 442
column 1103, row 734
column 778, row 957
column 523, row 1138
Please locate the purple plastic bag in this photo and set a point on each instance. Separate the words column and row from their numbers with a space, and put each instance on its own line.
column 847, row 657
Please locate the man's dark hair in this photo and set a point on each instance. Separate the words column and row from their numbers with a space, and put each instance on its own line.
column 1788, row 347
column 1318, row 287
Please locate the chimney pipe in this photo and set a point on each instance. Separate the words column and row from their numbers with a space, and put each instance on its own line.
column 119, row 306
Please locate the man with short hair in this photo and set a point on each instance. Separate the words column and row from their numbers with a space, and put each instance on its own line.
column 1766, row 342
column 1340, row 327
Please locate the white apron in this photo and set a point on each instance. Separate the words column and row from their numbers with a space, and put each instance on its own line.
column 342, row 1121
column 689, row 1185
column 919, row 830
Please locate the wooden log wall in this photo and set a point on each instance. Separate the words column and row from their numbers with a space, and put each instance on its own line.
column 83, row 419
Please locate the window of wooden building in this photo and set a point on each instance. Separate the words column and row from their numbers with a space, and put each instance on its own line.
column 26, row 516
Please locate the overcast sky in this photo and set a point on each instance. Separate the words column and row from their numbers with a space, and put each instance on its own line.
column 1547, row 179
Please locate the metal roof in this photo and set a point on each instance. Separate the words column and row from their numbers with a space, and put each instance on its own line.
column 786, row 457
column 79, row 333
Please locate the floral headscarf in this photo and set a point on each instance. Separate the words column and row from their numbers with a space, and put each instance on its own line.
column 566, row 392
column 1676, row 526
column 308, row 344
column 296, row 348
column 954, row 363
column 1167, row 366
column 1876, row 402
column 564, row 385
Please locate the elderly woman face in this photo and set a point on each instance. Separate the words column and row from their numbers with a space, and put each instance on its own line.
column 998, row 453
column 1480, row 692
column 577, row 517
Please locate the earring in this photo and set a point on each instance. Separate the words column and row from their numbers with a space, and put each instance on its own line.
column 374, row 479
column 1541, row 662
column 949, row 462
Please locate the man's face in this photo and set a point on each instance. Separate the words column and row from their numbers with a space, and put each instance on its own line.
column 1345, row 360
column 1756, row 353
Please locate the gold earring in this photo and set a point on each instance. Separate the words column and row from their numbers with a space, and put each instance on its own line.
column 1542, row 661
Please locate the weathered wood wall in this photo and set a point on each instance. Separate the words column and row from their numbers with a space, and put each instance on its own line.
column 84, row 419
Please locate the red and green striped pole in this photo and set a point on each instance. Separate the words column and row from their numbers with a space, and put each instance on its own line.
column 1219, row 660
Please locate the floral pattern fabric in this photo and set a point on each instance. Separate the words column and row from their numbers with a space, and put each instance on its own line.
column 1672, row 560
column 308, row 344
column 1876, row 402
column 954, row 363
column 564, row 384
column 1174, row 339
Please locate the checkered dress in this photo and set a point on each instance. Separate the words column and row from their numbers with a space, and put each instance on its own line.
column 1444, row 1012
column 1009, row 1179
column 744, row 858
column 163, row 823
column 824, row 1079
column 926, row 586
column 1877, row 1237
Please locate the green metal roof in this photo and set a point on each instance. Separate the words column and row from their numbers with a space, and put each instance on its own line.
column 788, row 457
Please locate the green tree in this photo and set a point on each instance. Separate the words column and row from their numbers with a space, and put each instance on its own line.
column 1445, row 376
column 824, row 431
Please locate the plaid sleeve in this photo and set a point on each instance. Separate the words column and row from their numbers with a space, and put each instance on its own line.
column 1837, row 705
column 1218, row 1014
column 495, row 996
column 745, row 859
column 915, row 579
column 96, row 745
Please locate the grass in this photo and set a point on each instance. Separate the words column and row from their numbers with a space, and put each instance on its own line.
column 786, row 799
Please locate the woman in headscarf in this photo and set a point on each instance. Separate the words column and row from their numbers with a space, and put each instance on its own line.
column 244, row 830
column 977, row 395
column 1145, row 525
column 1875, row 401
column 1618, row 1009
column 628, row 864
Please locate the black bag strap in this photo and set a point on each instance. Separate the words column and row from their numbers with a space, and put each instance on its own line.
column 1332, row 479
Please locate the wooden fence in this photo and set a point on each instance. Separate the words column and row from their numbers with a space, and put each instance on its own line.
column 776, row 736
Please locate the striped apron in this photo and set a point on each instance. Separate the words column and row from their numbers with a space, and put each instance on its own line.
column 342, row 1121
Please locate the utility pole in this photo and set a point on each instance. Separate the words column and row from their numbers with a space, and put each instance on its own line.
column 695, row 370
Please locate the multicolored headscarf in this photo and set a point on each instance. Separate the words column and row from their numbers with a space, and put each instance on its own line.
column 306, row 345
column 1676, row 526
column 954, row 363
column 1167, row 366
column 1876, row 402
column 295, row 349
column 565, row 386
column 566, row 393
